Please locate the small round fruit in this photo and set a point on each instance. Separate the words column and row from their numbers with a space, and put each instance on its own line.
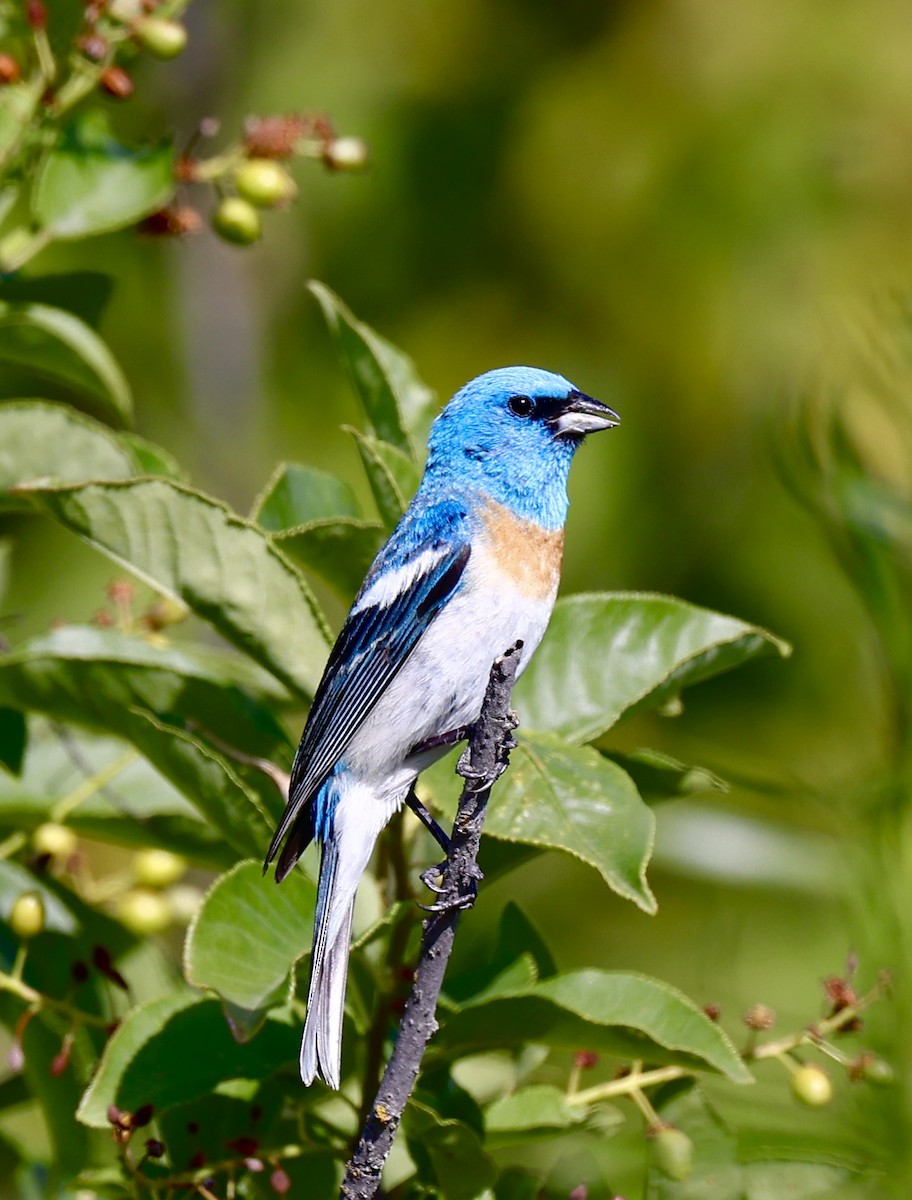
column 875, row 1070
column 346, row 154
column 264, row 182
column 811, row 1086
column 237, row 221
column 27, row 916
column 184, row 900
column 58, row 841
column 144, row 912
column 673, row 1153
column 163, row 38
column 158, row 868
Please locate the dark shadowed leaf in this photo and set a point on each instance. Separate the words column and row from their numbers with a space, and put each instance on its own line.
column 394, row 398
column 392, row 475
column 223, row 568
column 297, row 495
column 90, row 183
column 171, row 1050
column 52, row 443
column 85, row 294
column 249, row 933
column 605, row 654
column 571, row 798
column 339, row 550
column 628, row 1015
column 56, row 346
column 13, row 735
column 448, row 1152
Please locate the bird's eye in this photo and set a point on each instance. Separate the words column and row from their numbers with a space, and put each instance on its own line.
column 521, row 406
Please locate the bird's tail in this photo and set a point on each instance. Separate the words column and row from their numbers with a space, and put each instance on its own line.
column 345, row 855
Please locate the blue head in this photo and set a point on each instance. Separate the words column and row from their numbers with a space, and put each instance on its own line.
column 511, row 434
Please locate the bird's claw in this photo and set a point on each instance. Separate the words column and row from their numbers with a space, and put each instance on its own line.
column 458, row 903
column 432, row 874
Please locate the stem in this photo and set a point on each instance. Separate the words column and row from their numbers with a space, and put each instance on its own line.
column 9, row 983
column 89, row 787
column 627, row 1085
column 483, row 762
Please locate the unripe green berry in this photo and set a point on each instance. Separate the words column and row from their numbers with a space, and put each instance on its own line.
column 673, row 1152
column 27, row 916
column 264, row 182
column 237, row 221
column 346, row 154
column 163, row 38
column 158, row 868
column 811, row 1086
column 144, row 912
column 56, row 840
column 875, row 1070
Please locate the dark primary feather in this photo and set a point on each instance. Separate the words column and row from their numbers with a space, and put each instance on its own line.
column 372, row 648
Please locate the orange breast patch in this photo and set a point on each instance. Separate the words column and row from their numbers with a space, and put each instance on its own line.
column 527, row 554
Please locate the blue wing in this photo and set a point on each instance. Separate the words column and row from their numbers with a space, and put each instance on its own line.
column 372, row 648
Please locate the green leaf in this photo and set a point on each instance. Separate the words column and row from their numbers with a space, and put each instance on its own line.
column 173, row 1049
column 52, row 442
column 122, row 798
column 224, row 568
column 122, row 685
column 248, row 934
column 13, row 736
column 340, row 551
column 532, row 1109
column 630, row 1016
column 54, row 345
column 606, row 654
column 297, row 495
column 448, row 1154
column 152, row 459
column 518, row 944
column 85, row 294
column 658, row 776
column 571, row 798
column 90, row 183
column 394, row 398
column 392, row 476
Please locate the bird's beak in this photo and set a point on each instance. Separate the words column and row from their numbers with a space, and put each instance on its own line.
column 579, row 415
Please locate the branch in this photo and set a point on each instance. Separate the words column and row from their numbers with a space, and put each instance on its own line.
column 482, row 763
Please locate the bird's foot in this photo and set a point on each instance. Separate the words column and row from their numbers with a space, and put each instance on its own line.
column 461, row 901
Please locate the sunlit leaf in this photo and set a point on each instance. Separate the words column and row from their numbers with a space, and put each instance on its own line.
column 627, row 1015
column 532, row 1109
column 392, row 476
column 55, row 345
column 571, row 798
column 394, row 398
column 224, row 568
column 297, row 495
column 605, row 654
column 152, row 459
column 54, row 443
column 340, row 550
column 116, row 684
column 173, row 1049
column 658, row 776
column 249, row 933
column 90, row 183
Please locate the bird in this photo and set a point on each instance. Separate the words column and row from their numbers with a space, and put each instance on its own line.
column 471, row 568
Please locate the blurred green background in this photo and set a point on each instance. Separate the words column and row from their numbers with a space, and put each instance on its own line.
column 701, row 213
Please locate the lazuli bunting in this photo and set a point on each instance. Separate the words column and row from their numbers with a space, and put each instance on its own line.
column 472, row 567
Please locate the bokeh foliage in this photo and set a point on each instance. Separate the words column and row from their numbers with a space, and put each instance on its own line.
column 697, row 212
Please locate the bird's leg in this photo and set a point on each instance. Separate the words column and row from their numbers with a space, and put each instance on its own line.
column 427, row 820
column 441, row 741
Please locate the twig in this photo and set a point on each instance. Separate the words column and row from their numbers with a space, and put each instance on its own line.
column 481, row 765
